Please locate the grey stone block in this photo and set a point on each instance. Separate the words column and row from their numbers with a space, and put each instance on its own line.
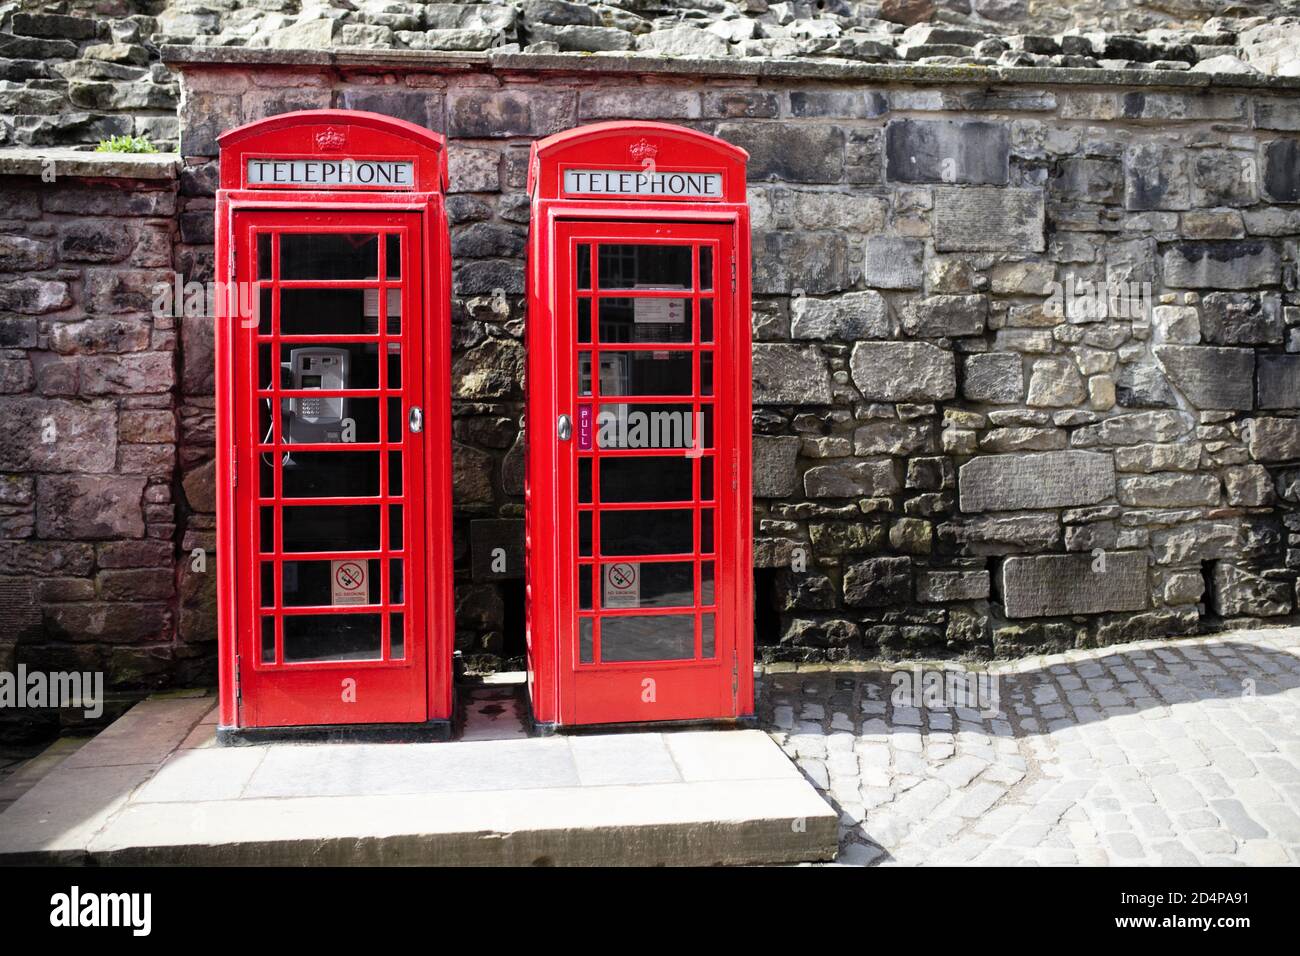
column 987, row 219
column 1156, row 177
column 939, row 316
column 1242, row 318
column 878, row 582
column 788, row 152
column 1274, row 439
column 851, row 316
column 1279, row 381
column 775, row 471
column 946, row 151
column 1210, row 378
column 1059, row 584
column 893, row 263
column 1229, row 264
column 1282, row 170
column 940, row 586
column 1053, row 479
column 903, row 372
column 790, row 375
column 994, row 377
column 1240, row 592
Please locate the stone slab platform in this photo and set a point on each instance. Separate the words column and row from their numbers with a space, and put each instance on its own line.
column 154, row 788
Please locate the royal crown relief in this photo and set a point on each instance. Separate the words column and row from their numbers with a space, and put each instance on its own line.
column 648, row 181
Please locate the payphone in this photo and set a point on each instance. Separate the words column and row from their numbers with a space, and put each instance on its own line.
column 333, row 424
column 637, row 492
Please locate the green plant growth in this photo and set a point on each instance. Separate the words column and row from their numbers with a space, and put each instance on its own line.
column 126, row 144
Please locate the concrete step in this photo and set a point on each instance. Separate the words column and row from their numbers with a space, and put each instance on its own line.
column 158, row 791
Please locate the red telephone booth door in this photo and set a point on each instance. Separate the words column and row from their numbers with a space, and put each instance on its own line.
column 645, row 326
column 329, row 467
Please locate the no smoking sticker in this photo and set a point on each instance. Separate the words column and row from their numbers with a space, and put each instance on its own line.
column 348, row 582
column 622, row 585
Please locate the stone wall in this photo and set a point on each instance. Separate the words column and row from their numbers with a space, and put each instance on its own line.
column 962, row 450
column 88, row 447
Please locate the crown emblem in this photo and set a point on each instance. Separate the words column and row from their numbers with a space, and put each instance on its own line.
column 331, row 139
column 643, row 150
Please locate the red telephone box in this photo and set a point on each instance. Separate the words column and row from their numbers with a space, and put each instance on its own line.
column 638, row 526
column 333, row 425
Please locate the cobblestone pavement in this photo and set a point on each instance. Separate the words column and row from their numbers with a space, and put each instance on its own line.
column 1171, row 752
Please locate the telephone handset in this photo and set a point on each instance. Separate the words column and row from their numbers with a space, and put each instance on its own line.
column 316, row 419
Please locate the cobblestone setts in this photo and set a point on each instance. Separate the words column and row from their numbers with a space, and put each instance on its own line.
column 1155, row 754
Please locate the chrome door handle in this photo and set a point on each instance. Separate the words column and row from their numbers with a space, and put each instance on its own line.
column 415, row 420
column 564, row 428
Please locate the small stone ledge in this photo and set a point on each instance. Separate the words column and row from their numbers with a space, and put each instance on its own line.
column 788, row 68
column 68, row 161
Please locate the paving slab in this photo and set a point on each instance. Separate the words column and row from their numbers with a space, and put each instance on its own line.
column 155, row 789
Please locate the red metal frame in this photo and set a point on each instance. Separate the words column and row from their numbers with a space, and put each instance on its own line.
column 417, row 687
column 564, row 690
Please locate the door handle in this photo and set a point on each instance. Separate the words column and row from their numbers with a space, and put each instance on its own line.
column 564, row 428
column 415, row 420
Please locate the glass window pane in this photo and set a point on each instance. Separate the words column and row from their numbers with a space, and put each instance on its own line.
column 328, row 256
column 652, row 425
column 585, row 652
column 333, row 528
column 330, row 583
column 706, row 267
column 646, row 532
column 645, row 479
column 264, row 255
column 646, row 320
column 649, row 637
column 268, row 640
column 265, row 300
column 393, row 255
column 584, row 320
column 639, row 373
column 706, row 583
column 306, row 420
column 707, row 640
column 351, row 365
column 631, row 584
column 584, row 587
column 267, row 585
column 332, row 637
column 584, row 267
column 706, row 478
column 397, row 637
column 584, row 533
column 648, row 266
column 584, row 373
column 328, row 312
column 394, row 365
column 324, row 474
column 706, row 373
column 266, row 526
column 706, row 531
column 395, row 473
column 396, row 583
column 584, row 480
column 395, row 527
column 706, row 320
